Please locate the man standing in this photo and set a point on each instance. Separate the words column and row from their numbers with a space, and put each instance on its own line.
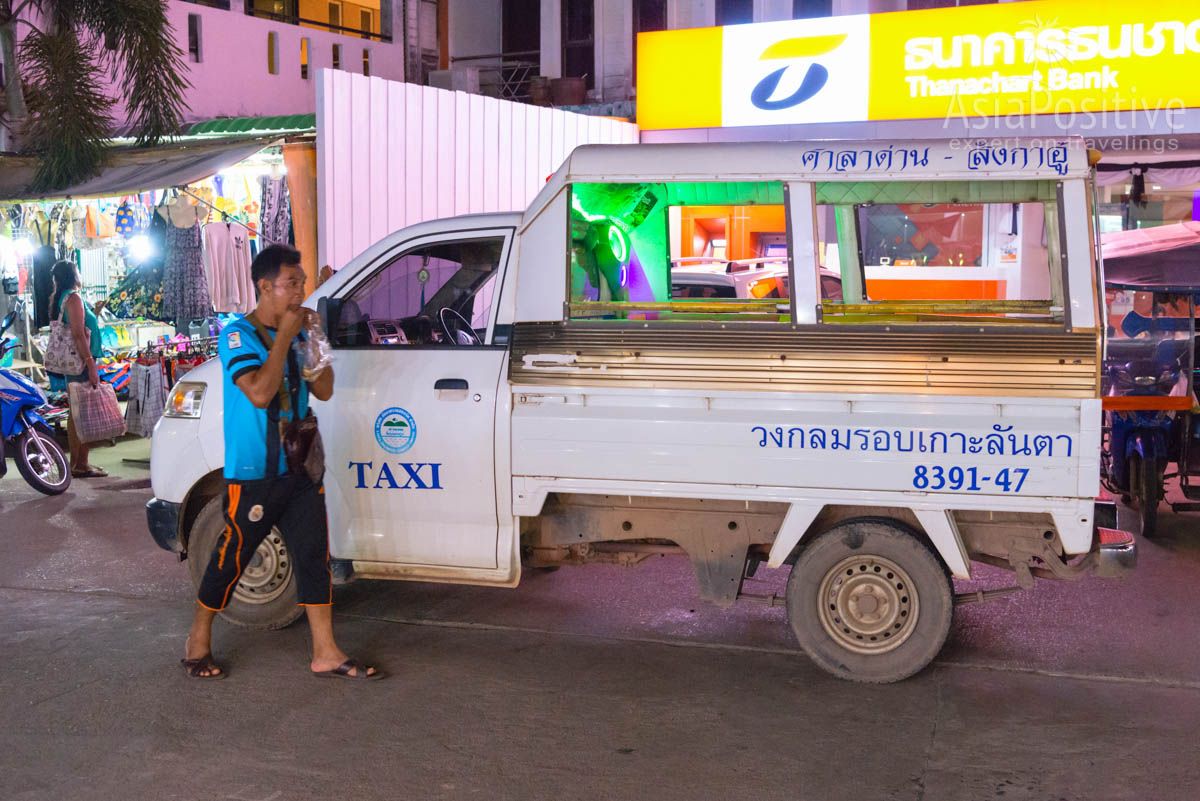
column 264, row 390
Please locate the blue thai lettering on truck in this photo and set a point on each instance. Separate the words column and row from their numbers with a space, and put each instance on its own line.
column 1000, row 441
column 415, row 475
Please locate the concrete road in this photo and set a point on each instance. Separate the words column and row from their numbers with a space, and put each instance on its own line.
column 588, row 683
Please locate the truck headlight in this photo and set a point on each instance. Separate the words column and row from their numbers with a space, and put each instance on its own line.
column 185, row 400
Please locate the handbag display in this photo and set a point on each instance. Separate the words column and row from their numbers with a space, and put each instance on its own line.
column 95, row 412
column 62, row 355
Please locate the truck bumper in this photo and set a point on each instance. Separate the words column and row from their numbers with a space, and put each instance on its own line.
column 162, row 517
column 1116, row 550
column 1117, row 553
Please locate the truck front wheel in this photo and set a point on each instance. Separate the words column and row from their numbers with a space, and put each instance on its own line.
column 869, row 601
column 265, row 598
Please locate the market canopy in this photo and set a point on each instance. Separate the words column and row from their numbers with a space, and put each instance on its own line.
column 1165, row 256
column 129, row 170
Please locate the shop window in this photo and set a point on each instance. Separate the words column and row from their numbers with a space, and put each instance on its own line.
column 194, row 54
column 940, row 252
column 579, row 40
column 735, row 12
column 679, row 251
column 436, row 295
column 916, row 5
column 304, row 46
column 337, row 56
column 648, row 16
column 366, row 62
column 369, row 23
column 810, row 9
column 273, row 53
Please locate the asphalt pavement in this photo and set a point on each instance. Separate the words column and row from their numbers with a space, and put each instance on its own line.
column 597, row 682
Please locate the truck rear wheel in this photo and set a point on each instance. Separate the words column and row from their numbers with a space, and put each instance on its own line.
column 265, row 598
column 869, row 601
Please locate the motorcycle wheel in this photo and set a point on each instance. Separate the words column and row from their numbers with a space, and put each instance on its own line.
column 1148, row 494
column 42, row 462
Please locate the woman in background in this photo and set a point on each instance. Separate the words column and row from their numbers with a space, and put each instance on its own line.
column 85, row 330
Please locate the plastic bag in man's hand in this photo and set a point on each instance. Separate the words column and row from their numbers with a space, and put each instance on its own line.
column 315, row 351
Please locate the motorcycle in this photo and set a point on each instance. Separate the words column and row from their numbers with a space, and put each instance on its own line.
column 1143, row 435
column 24, row 432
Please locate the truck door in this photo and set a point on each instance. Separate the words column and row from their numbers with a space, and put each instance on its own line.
column 410, row 431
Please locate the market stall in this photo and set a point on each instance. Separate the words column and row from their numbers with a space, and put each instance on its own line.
column 163, row 267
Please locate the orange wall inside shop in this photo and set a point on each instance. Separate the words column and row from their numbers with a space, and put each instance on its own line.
column 896, row 289
column 742, row 225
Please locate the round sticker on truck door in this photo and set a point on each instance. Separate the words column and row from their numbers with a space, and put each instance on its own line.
column 395, row 430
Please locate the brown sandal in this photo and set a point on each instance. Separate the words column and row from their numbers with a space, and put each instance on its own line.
column 202, row 668
column 350, row 669
column 90, row 472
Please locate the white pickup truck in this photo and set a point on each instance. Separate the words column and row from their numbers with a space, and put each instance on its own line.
column 523, row 390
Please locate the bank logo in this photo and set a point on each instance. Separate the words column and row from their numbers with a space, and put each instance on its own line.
column 815, row 78
column 796, row 71
column 395, row 430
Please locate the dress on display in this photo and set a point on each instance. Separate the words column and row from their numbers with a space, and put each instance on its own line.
column 275, row 223
column 43, row 285
column 185, row 287
column 140, row 292
column 227, row 265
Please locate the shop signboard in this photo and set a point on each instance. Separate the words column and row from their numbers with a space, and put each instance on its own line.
column 1020, row 59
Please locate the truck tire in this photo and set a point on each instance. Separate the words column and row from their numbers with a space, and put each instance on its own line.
column 266, row 597
column 869, row 601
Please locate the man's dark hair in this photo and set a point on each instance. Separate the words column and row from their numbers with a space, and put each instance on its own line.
column 271, row 260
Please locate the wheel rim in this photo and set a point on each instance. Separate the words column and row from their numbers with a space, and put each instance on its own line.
column 268, row 574
column 868, row 604
column 42, row 461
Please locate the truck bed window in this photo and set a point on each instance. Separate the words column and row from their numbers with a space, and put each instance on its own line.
column 685, row 251
column 942, row 252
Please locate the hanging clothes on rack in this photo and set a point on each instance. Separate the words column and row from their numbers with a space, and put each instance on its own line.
column 140, row 292
column 275, row 223
column 42, row 228
column 62, row 221
column 156, row 370
column 147, row 397
column 43, row 285
column 227, row 267
column 185, row 287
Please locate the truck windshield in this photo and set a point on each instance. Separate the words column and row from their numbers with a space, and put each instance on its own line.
column 434, row 295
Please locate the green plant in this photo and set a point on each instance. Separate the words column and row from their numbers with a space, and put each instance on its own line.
column 65, row 52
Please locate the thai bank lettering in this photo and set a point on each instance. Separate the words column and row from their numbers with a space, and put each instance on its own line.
column 1052, row 45
column 806, row 48
column 415, row 476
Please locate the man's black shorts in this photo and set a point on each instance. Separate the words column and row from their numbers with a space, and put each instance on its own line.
column 294, row 505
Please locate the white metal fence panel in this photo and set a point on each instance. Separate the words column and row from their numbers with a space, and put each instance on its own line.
column 393, row 154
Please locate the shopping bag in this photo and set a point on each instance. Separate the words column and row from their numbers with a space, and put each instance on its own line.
column 95, row 412
column 62, row 356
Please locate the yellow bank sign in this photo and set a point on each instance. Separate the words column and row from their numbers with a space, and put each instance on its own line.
column 1046, row 57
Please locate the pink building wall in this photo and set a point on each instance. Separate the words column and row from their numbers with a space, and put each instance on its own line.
column 232, row 79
